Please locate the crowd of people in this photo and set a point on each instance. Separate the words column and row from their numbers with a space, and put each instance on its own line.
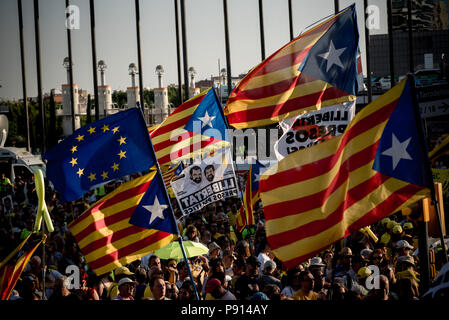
column 238, row 266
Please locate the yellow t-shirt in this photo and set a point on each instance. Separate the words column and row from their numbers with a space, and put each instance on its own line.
column 299, row 295
column 147, row 293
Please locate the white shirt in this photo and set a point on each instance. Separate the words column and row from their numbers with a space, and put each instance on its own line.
column 262, row 257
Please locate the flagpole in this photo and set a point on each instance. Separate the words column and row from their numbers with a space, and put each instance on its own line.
column 262, row 35
column 39, row 73
column 94, row 58
column 184, row 50
column 228, row 51
column 181, row 244
column 390, row 41
column 178, row 55
column 290, row 19
column 410, row 36
column 367, row 53
column 69, row 49
column 22, row 62
column 139, row 56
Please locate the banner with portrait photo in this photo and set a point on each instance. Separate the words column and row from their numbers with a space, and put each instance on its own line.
column 206, row 181
column 312, row 128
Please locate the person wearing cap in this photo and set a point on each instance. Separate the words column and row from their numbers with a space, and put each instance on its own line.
column 404, row 248
column 365, row 254
column 126, row 288
column 247, row 284
column 214, row 250
column 215, row 289
column 396, row 233
column 406, row 267
column 267, row 276
column 119, row 273
column 307, row 284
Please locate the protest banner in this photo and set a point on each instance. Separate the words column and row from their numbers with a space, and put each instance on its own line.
column 205, row 182
column 312, row 128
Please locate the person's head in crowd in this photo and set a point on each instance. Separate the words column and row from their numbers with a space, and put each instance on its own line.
column 122, row 272
column 157, row 287
column 154, row 261
column 307, row 281
column 404, row 248
column 171, row 291
column 365, row 254
column 214, row 250
column 259, row 296
column 328, row 257
column 319, row 280
column 217, row 269
column 381, row 292
column 182, row 270
column 35, row 265
column 238, row 267
column 397, row 233
column 269, row 267
column 316, row 264
column 242, row 249
column 345, row 258
column 192, row 233
column 213, row 228
column 387, row 269
column 252, row 267
column 141, row 275
column 224, row 242
column 357, row 263
column 408, row 289
column 126, row 288
column 272, row 291
column 206, row 237
column 362, row 274
column 377, row 256
column 405, row 263
column 215, row 288
column 186, row 291
column 228, row 258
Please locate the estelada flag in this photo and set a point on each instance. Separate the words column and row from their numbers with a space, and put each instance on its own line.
column 196, row 127
column 319, row 195
column 10, row 272
column 125, row 225
column 317, row 69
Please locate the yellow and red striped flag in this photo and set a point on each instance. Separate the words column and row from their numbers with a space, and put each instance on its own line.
column 317, row 69
column 196, row 126
column 10, row 273
column 319, row 195
column 168, row 174
column 105, row 234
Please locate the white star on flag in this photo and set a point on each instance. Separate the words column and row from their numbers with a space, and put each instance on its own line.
column 398, row 151
column 206, row 120
column 156, row 210
column 333, row 56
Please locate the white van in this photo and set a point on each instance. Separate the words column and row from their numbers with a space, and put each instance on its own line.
column 19, row 162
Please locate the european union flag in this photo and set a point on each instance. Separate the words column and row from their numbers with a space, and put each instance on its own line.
column 106, row 149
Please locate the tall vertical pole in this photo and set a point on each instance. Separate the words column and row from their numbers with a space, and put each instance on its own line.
column 390, row 41
column 24, row 85
column 228, row 50
column 336, row 6
column 262, row 33
column 410, row 36
column 178, row 54
column 290, row 19
column 69, row 46
column 184, row 50
column 139, row 55
column 39, row 73
column 94, row 58
column 367, row 54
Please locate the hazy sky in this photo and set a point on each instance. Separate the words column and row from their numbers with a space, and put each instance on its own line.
column 116, row 38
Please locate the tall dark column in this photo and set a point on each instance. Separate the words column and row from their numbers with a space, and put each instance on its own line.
column 178, row 53
column 390, row 41
column 139, row 56
column 410, row 37
column 69, row 47
column 39, row 75
column 367, row 53
column 262, row 33
column 290, row 19
column 228, row 50
column 24, row 85
column 94, row 58
column 336, row 6
column 184, row 50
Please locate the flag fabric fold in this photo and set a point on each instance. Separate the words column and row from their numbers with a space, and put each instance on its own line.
column 317, row 69
column 10, row 273
column 195, row 127
column 125, row 225
column 104, row 150
column 319, row 195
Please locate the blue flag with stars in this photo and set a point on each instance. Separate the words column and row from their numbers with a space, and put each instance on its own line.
column 107, row 149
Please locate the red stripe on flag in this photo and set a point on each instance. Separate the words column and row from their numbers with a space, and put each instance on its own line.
column 105, row 222
column 322, row 166
column 391, row 203
column 112, row 201
column 128, row 250
column 168, row 143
